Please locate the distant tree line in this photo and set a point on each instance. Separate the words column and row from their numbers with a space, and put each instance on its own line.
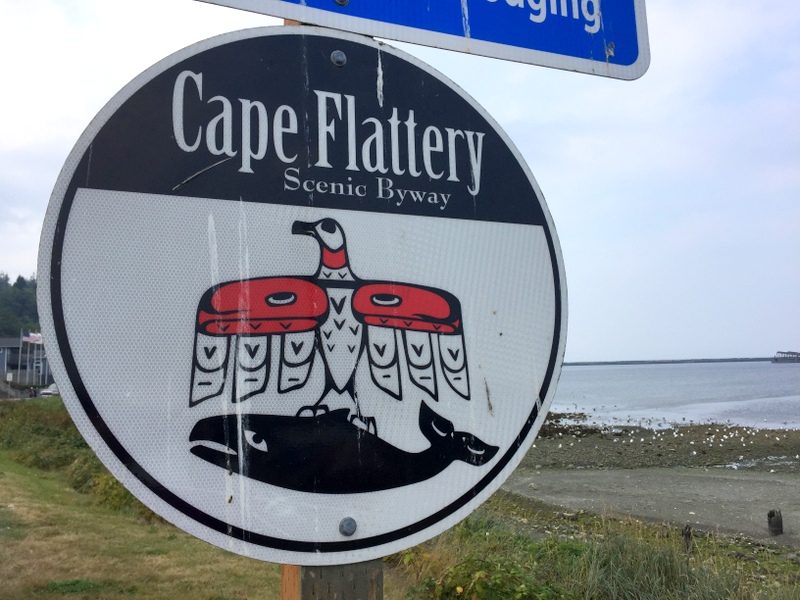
column 18, row 306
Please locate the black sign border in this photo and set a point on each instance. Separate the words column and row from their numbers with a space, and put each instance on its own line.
column 217, row 525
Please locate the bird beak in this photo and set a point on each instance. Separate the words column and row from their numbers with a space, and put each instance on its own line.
column 303, row 228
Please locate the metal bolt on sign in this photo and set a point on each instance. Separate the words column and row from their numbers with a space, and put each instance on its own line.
column 338, row 58
column 348, row 526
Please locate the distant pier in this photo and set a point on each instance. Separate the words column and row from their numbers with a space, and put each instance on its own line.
column 786, row 357
column 678, row 361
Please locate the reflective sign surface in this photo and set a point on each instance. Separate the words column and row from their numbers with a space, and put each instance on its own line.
column 303, row 297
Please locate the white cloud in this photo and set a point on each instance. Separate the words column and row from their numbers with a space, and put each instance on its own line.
column 69, row 59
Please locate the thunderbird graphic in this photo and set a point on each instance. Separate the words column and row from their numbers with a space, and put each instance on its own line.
column 330, row 445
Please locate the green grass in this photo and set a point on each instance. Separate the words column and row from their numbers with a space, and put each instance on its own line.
column 517, row 548
column 39, row 433
column 101, row 589
column 10, row 527
column 70, row 530
column 65, row 545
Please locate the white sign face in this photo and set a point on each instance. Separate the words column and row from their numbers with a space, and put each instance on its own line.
column 588, row 36
column 9, row 377
column 302, row 296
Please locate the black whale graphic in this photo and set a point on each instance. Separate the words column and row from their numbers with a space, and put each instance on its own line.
column 327, row 454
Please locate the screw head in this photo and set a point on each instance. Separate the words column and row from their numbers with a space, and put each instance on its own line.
column 348, row 526
column 342, row 2
column 338, row 58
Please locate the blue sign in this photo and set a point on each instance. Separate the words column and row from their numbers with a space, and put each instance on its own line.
column 600, row 37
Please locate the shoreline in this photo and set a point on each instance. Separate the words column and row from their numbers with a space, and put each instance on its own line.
column 753, row 392
column 567, row 441
column 675, row 361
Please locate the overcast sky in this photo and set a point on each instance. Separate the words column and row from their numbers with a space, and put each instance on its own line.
column 676, row 197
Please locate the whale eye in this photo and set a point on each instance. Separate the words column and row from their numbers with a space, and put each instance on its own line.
column 386, row 300
column 441, row 428
column 255, row 440
column 281, row 298
column 476, row 451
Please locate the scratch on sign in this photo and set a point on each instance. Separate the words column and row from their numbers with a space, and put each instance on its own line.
column 200, row 172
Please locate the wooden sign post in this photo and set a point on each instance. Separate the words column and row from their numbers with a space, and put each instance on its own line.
column 359, row 581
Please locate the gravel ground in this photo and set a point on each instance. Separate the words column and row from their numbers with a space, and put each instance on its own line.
column 565, row 443
column 709, row 500
column 714, row 477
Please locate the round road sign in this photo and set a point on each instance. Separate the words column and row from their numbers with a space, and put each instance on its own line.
column 302, row 295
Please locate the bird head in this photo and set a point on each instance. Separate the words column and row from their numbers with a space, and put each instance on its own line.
column 327, row 232
column 330, row 236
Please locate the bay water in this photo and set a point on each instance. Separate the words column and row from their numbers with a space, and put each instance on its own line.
column 755, row 394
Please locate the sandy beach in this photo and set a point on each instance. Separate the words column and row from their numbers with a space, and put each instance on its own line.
column 716, row 478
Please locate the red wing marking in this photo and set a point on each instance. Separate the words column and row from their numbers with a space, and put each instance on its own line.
column 406, row 324
column 406, row 306
column 220, row 327
column 264, row 305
